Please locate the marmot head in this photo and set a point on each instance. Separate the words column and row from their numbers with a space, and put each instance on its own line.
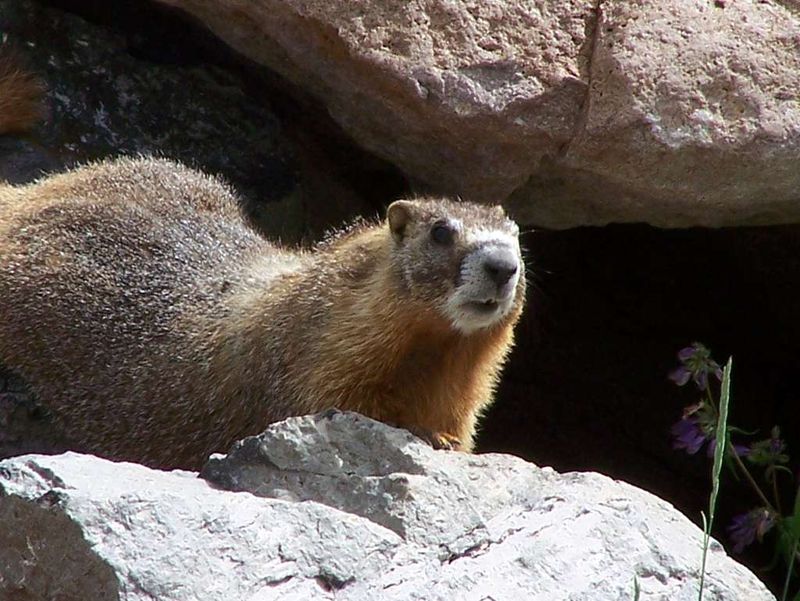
column 460, row 258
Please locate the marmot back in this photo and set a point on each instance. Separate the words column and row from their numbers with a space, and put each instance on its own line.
column 160, row 328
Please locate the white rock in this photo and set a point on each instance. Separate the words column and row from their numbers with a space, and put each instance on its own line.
column 374, row 514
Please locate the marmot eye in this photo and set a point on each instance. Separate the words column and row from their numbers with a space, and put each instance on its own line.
column 442, row 233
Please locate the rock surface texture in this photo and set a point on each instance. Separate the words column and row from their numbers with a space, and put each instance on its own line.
column 579, row 112
column 356, row 510
column 103, row 100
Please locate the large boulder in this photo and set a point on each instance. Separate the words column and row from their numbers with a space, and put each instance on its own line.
column 354, row 509
column 466, row 96
column 693, row 114
column 671, row 112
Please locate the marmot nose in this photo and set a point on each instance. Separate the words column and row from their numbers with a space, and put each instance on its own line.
column 501, row 267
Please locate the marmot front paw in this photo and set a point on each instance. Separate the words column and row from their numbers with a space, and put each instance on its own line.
column 438, row 440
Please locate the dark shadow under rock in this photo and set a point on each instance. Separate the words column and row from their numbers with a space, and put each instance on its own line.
column 43, row 555
column 587, row 386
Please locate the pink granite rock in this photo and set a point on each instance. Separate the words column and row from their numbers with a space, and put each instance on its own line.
column 673, row 112
column 694, row 113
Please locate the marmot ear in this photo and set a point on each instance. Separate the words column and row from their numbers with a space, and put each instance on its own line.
column 398, row 215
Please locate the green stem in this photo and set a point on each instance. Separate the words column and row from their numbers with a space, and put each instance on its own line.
column 775, row 495
column 706, row 539
column 738, row 460
column 750, row 479
column 789, row 573
column 710, row 398
column 716, row 470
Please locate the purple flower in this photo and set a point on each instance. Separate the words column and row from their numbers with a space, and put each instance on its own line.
column 701, row 379
column 688, row 435
column 680, row 375
column 696, row 365
column 747, row 527
column 740, row 449
column 688, row 352
column 769, row 451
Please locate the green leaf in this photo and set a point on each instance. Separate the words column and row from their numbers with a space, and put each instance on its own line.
column 791, row 526
column 788, row 580
column 796, row 513
column 719, row 456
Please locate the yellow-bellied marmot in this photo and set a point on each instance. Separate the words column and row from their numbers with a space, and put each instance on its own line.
column 160, row 328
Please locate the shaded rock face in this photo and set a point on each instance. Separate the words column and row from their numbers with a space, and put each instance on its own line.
column 145, row 82
column 354, row 509
column 36, row 534
column 587, row 387
column 672, row 113
column 104, row 100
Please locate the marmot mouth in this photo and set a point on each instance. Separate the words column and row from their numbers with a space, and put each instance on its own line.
column 487, row 306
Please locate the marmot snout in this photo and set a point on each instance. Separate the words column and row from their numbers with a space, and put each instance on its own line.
column 465, row 257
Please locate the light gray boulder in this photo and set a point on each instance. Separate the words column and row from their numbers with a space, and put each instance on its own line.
column 348, row 508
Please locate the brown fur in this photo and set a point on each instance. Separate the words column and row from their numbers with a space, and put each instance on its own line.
column 21, row 93
column 160, row 328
